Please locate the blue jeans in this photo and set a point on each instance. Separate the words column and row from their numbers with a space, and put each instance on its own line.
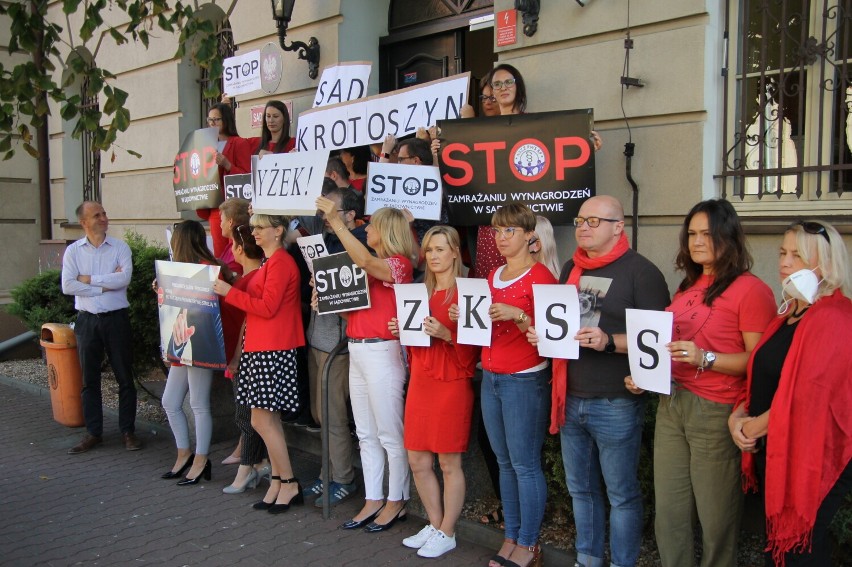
column 516, row 410
column 602, row 437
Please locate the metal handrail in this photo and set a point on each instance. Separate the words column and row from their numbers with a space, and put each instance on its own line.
column 326, row 467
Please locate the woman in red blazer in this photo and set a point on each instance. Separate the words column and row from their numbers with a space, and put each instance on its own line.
column 233, row 156
column 268, row 362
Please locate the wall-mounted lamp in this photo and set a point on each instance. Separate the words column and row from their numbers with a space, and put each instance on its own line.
column 282, row 11
column 529, row 10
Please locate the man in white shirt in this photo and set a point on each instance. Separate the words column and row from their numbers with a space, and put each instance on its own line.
column 96, row 270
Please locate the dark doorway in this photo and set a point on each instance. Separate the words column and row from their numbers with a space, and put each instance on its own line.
column 420, row 49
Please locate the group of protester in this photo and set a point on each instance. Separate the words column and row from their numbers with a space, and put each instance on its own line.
column 758, row 392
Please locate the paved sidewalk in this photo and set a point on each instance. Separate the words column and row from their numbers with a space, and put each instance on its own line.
column 110, row 506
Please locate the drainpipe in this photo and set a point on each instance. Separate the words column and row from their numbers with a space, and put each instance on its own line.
column 42, row 144
column 16, row 341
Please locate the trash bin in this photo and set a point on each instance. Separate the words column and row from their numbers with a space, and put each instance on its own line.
column 64, row 376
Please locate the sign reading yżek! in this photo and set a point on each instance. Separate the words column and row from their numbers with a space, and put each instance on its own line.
column 340, row 284
column 196, row 175
column 544, row 160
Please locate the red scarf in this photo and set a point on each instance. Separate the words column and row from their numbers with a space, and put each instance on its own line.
column 582, row 262
column 809, row 441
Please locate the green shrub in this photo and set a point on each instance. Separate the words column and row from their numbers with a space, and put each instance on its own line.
column 144, row 319
column 40, row 300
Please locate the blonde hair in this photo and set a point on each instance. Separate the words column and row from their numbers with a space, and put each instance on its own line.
column 547, row 255
column 454, row 242
column 832, row 258
column 394, row 233
column 260, row 219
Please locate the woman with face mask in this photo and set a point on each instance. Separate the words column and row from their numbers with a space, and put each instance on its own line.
column 794, row 421
column 720, row 311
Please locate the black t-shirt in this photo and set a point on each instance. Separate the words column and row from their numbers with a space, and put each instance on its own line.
column 766, row 369
column 631, row 282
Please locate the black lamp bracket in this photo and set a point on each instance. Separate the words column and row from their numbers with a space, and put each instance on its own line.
column 310, row 51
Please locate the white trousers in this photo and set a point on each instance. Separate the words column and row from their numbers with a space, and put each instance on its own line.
column 376, row 381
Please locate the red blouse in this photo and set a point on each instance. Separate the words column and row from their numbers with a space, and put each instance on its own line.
column 373, row 322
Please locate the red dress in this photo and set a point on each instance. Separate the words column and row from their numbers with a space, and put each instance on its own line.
column 439, row 404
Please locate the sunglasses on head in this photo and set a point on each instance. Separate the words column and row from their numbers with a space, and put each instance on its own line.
column 813, row 228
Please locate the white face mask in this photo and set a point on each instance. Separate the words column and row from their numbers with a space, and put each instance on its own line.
column 802, row 285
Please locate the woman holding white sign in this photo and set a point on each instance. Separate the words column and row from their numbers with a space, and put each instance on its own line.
column 794, row 422
column 515, row 393
column 268, row 369
column 275, row 134
column 189, row 244
column 720, row 312
column 376, row 370
column 439, row 404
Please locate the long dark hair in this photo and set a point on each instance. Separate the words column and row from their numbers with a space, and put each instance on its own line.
column 189, row 244
column 245, row 240
column 360, row 158
column 266, row 135
column 520, row 87
column 729, row 246
column 229, row 123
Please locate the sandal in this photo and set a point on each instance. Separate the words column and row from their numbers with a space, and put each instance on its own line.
column 535, row 561
column 499, row 559
column 493, row 518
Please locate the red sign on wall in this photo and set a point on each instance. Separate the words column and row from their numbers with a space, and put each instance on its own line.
column 507, row 27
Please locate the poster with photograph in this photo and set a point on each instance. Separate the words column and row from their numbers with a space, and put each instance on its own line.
column 190, row 320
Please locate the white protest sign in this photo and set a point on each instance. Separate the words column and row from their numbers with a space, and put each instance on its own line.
column 369, row 120
column 474, row 327
column 287, row 184
column 241, row 74
column 312, row 247
column 557, row 319
column 401, row 186
column 340, row 284
column 342, row 83
column 648, row 332
column 412, row 307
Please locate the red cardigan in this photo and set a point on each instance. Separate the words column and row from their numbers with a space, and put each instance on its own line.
column 272, row 304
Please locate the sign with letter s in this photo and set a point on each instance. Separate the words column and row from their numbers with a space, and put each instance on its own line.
column 557, row 319
column 648, row 333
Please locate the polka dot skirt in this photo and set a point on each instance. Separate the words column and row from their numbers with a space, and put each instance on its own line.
column 270, row 380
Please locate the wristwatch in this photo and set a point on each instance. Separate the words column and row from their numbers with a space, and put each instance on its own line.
column 610, row 345
column 708, row 359
column 522, row 318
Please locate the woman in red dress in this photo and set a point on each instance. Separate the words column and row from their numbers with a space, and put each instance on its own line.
column 440, row 399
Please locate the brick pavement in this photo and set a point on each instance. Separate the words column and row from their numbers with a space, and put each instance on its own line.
column 110, row 506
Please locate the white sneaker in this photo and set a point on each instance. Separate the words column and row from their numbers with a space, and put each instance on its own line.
column 437, row 545
column 419, row 539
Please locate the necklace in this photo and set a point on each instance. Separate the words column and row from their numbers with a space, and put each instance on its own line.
column 797, row 314
column 515, row 272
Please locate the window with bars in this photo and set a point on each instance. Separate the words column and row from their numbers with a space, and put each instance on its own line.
column 788, row 101
column 225, row 49
column 91, row 158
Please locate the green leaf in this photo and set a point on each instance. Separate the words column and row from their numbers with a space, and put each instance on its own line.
column 117, row 36
column 30, row 150
column 135, row 154
column 122, row 119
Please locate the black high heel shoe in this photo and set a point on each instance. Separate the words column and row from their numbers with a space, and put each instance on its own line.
column 356, row 524
column 263, row 504
column 297, row 499
column 375, row 528
column 170, row 474
column 207, row 473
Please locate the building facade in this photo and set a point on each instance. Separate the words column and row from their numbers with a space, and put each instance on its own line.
column 743, row 100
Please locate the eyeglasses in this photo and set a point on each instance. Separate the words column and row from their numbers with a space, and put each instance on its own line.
column 401, row 158
column 486, row 98
column 254, row 227
column 505, row 233
column 499, row 85
column 593, row 222
column 213, row 120
column 322, row 214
